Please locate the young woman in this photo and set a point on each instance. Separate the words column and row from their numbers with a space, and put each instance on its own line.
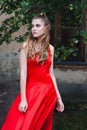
column 34, row 106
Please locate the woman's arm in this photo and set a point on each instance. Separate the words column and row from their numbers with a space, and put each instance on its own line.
column 23, row 76
column 60, row 106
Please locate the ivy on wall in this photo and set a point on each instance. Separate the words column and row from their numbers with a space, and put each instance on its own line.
column 22, row 11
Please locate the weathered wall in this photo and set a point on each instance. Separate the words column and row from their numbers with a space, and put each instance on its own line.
column 9, row 67
column 72, row 84
column 9, row 61
column 9, row 56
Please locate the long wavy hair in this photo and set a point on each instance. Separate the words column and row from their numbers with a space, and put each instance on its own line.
column 44, row 41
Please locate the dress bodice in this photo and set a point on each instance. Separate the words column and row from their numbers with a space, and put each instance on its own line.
column 37, row 71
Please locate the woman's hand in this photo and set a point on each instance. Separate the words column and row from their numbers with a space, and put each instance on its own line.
column 60, row 105
column 23, row 106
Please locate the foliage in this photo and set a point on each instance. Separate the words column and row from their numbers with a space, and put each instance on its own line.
column 22, row 11
column 83, row 34
column 72, row 20
column 62, row 53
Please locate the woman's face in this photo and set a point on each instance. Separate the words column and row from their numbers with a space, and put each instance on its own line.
column 38, row 28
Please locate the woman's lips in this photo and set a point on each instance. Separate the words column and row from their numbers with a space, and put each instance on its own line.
column 34, row 32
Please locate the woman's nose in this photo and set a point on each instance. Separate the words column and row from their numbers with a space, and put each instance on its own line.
column 34, row 28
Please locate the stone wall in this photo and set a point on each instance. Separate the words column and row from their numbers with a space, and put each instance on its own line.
column 9, row 55
column 72, row 84
column 9, row 67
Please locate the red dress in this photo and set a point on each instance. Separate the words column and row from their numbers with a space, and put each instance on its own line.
column 41, row 97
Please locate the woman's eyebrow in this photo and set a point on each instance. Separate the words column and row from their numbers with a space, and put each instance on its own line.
column 36, row 23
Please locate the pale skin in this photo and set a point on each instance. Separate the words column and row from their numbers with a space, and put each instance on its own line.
column 38, row 29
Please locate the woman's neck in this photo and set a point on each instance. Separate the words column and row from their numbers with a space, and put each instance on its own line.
column 37, row 47
column 38, row 40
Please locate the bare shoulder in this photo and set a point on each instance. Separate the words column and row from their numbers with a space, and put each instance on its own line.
column 52, row 48
column 24, row 44
column 23, row 49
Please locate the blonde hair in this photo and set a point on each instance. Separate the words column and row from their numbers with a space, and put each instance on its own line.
column 45, row 39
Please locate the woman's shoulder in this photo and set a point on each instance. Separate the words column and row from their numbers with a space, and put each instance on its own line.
column 24, row 48
column 24, row 44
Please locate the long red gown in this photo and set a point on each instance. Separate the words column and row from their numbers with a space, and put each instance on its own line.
column 41, row 97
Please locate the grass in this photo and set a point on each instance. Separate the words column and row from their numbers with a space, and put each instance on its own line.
column 73, row 118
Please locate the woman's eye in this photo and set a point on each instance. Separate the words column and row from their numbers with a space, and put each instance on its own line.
column 37, row 25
